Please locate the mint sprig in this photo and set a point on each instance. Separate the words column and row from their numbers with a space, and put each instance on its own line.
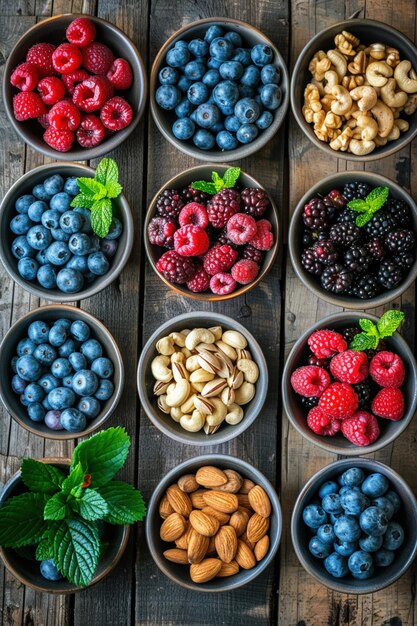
column 369, row 206
column 372, row 333
column 96, row 194
column 228, row 181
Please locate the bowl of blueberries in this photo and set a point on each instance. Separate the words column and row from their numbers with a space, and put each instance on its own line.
column 48, row 247
column 63, row 372
column 354, row 526
column 219, row 89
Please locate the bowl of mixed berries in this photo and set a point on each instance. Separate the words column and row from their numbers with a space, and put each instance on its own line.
column 74, row 86
column 349, row 383
column 352, row 240
column 211, row 235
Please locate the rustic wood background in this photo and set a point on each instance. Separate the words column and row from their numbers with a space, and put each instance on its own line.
column 136, row 592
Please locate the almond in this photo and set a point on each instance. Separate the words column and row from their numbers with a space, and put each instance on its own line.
column 228, row 569
column 244, row 556
column 188, row 483
column 197, row 546
column 221, row 501
column 182, row 542
column 172, row 527
column 176, row 556
column 243, row 500
column 226, row 543
column 239, row 520
column 165, row 508
column 222, row 518
column 258, row 526
column 179, row 500
column 204, row 524
column 245, row 539
column 209, row 476
column 247, row 485
column 197, row 498
column 261, row 548
column 259, row 501
column 212, row 546
column 205, row 571
column 234, row 482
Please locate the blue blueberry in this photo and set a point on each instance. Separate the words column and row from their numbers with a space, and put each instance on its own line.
column 226, row 93
column 23, row 400
column 69, row 281
column 27, row 268
column 13, row 363
column 264, row 120
column 270, row 74
column 231, row 123
column 53, row 420
column 97, row 263
column 214, row 64
column 45, row 353
column 168, row 76
column 221, row 49
column 271, row 96
column 184, row 108
column 61, row 202
column 64, row 322
column 95, row 243
column 25, row 346
column 58, row 253
column 21, row 224
column 247, row 110
column 36, row 210
column 18, row 384
column 375, row 485
column 40, row 193
column 181, row 44
column 85, row 383
column 178, row 56
column 234, row 38
column 318, row 548
column 71, row 222
column 328, row 488
column 61, row 367
column 116, row 229
column 184, row 83
column 67, row 348
column 54, row 184
column 212, row 32
column 41, row 257
column 49, row 570
column 251, row 76
column 183, row 128
column 353, row 502
column 361, row 565
column 247, row 133
column 352, row 477
column 89, row 406
column 59, row 235
column 36, row 411
column 103, row 367
column 242, row 55
column 203, row 139
column 331, row 503
column 48, row 382
column 226, row 141
column 345, row 548
column 73, row 420
column 394, row 536
column 262, row 54
column 211, row 78
column 89, row 277
column 198, row 93
column 28, row 368
column 80, row 331
column 395, row 500
column 61, row 398
column 383, row 557
column 336, row 565
column 78, row 263
column 246, row 92
column 105, row 389
column 373, row 521
column 50, row 218
column 57, row 335
column 194, row 70
column 67, row 381
column 71, row 186
column 39, row 237
column 385, row 505
column 198, row 47
column 346, row 528
column 207, row 115
column 23, row 203
column 47, row 276
column 34, row 392
column 38, row 331
column 79, row 243
column 45, row 404
column 21, row 247
column 108, row 248
column 231, row 70
column 369, row 543
column 86, row 215
column 326, row 533
column 314, row 516
column 168, row 96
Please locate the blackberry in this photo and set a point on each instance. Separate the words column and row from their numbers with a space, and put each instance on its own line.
column 352, row 191
column 161, row 231
column 357, row 259
column 365, row 393
column 194, row 195
column 366, row 287
column 313, row 360
column 315, row 215
column 349, row 333
column 310, row 262
column 251, row 253
column 347, row 216
column 325, row 252
column 336, row 278
column 380, row 347
column 309, row 403
column 337, row 198
column 175, row 268
column 404, row 259
column 222, row 238
column 389, row 274
column 400, row 240
column 375, row 249
column 330, row 207
column 169, row 203
column 222, row 206
column 399, row 210
column 344, row 234
column 255, row 201
column 308, row 238
column 380, row 225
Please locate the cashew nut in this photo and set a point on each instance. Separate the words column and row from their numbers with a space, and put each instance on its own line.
column 179, row 394
column 361, row 147
column 332, row 79
column 376, row 51
column 339, row 62
column 198, row 335
column 392, row 99
column 411, row 104
column 189, row 405
column 176, row 413
column 365, row 96
column 367, row 127
column 160, row 369
column 394, row 134
column 343, row 102
column 217, row 332
column 245, row 393
column 403, row 125
column 235, row 414
column 385, row 118
column 343, row 140
column 219, row 413
column 404, row 81
column 178, row 339
column 249, row 368
column 392, row 57
column 377, row 73
column 165, row 346
column 192, row 363
column 201, row 376
column 194, row 422
column 235, row 339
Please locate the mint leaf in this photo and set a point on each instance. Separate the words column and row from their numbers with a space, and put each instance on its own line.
column 83, row 201
column 377, row 198
column 368, row 326
column 125, row 503
column 363, row 219
column 103, row 455
column 358, row 205
column 363, row 342
column 91, row 187
column 21, row 520
column 389, row 322
column 57, row 507
column 101, row 216
column 113, row 189
column 92, row 506
column 72, row 485
column 76, row 551
column 44, row 550
column 107, row 171
column 203, row 185
column 230, row 176
column 217, row 180
column 41, row 477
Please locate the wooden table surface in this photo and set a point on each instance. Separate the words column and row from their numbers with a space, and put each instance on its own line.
column 276, row 312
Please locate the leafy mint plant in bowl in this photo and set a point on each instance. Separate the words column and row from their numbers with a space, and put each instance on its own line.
column 64, row 523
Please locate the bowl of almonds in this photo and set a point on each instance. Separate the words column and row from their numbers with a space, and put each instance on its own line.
column 214, row 523
column 202, row 378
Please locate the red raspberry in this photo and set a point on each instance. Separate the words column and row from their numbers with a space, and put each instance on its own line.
column 91, row 132
column 41, row 55
column 361, row 429
column 44, row 120
column 91, row 94
column 339, row 401
column 193, row 213
column 387, row 369
column 264, row 238
column 161, row 231
column 310, row 381
column 241, row 228
column 389, row 403
column 116, row 113
column 200, row 281
column 64, row 115
column 120, row 74
column 25, row 77
column 97, row 58
column 66, row 58
column 175, row 268
column 251, row 253
column 191, row 241
column 60, row 140
column 81, row 32
column 26, row 105
column 321, row 424
column 350, row 366
column 222, row 206
column 326, row 343
column 245, row 271
column 51, row 89
column 222, row 284
column 219, row 259
column 71, row 80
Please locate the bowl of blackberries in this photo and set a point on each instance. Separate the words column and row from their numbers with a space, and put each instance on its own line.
column 219, row 89
column 349, row 383
column 212, row 232
column 354, row 526
column 352, row 240
column 63, row 372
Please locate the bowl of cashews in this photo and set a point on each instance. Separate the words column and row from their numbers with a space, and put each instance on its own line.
column 202, row 378
column 354, row 90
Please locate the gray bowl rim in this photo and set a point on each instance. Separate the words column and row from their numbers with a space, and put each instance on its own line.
column 327, row 444
column 221, row 436
column 109, row 144
column 348, row 302
column 217, row 156
column 61, row 309
column 171, row 477
column 98, row 285
column 314, row 45
column 210, row 297
column 341, row 464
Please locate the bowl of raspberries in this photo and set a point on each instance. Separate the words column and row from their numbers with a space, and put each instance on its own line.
column 74, row 87
column 352, row 240
column 349, row 383
column 219, row 89
column 211, row 234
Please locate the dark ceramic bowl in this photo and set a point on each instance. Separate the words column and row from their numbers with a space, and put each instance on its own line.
column 145, row 380
column 52, row 30
column 338, row 444
column 26, row 570
column 164, row 119
column 18, row 331
column 182, row 180
column 384, row 576
column 337, row 181
column 180, row 573
column 368, row 31
column 23, row 186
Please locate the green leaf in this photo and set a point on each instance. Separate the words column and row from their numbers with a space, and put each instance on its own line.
column 389, row 322
column 91, row 187
column 107, row 171
column 45, row 550
column 125, row 503
column 102, row 455
column 230, row 176
column 82, row 201
column 368, row 326
column 101, row 216
column 203, row 185
column 217, row 180
column 92, row 506
column 26, row 552
column 377, row 198
column 363, row 219
column 76, row 550
column 21, row 520
column 57, row 507
column 364, row 342
column 41, row 477
column 113, row 189
column 358, row 205
column 72, row 485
